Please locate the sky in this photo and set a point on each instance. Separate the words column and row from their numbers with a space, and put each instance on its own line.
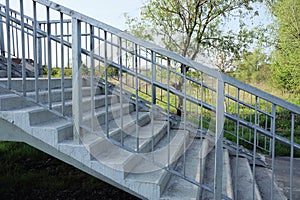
column 110, row 12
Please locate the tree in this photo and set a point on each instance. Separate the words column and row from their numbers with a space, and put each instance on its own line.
column 194, row 27
column 286, row 57
column 253, row 66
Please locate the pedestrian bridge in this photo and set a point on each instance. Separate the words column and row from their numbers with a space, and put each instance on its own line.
column 137, row 116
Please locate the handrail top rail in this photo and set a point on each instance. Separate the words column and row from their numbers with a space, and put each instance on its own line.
column 176, row 57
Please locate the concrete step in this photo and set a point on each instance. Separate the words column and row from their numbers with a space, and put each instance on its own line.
column 263, row 178
column 42, row 116
column 209, row 175
column 57, row 94
column 11, row 102
column 244, row 179
column 105, row 151
column 149, row 174
column 16, row 84
column 53, row 131
column 146, row 137
column 195, row 159
column 113, row 113
column 129, row 124
column 99, row 101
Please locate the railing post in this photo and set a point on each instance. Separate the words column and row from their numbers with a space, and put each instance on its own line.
column 76, row 78
column 153, row 60
column 23, row 48
column 8, row 45
column 35, row 53
column 40, row 51
column 2, row 50
column 219, row 140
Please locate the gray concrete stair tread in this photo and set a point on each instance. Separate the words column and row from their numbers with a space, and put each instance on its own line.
column 114, row 155
column 153, row 173
column 245, row 180
column 209, row 175
column 88, row 138
column 128, row 119
column 43, row 83
column 56, row 123
column 84, row 99
column 179, row 188
column 145, row 134
column 10, row 101
column 42, row 116
column 263, row 177
column 102, row 110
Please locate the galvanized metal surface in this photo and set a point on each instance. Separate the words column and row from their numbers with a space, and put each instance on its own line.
column 150, row 74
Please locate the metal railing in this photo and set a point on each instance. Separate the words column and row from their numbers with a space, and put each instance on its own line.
column 57, row 37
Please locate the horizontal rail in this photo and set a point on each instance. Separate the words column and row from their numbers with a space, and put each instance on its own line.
column 172, row 55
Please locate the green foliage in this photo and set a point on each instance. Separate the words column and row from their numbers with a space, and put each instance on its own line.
column 112, row 71
column 191, row 28
column 286, row 57
column 56, row 72
column 253, row 67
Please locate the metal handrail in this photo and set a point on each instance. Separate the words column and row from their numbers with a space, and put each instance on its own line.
column 217, row 90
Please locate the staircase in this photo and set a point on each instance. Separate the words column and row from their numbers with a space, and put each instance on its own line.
column 115, row 119
column 123, row 168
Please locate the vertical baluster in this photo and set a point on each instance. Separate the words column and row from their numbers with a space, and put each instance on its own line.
column 266, row 126
column 237, row 144
column 56, row 46
column 62, row 67
column 39, row 51
column 86, row 43
column 201, row 130
column 68, row 39
column 28, row 46
column 99, row 52
column 250, row 116
column 273, row 127
column 153, row 58
column 218, row 173
column 17, row 41
column 8, row 45
column 12, row 34
column 92, row 53
column 106, row 84
column 23, row 49
column 202, row 99
column 49, row 47
column 258, row 122
column 35, row 53
column 2, row 49
column 184, row 119
column 45, row 46
column 292, row 156
column 121, row 88
column 136, row 98
column 168, row 111
column 254, row 145
column 126, row 62
column 153, row 93
column 76, row 79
